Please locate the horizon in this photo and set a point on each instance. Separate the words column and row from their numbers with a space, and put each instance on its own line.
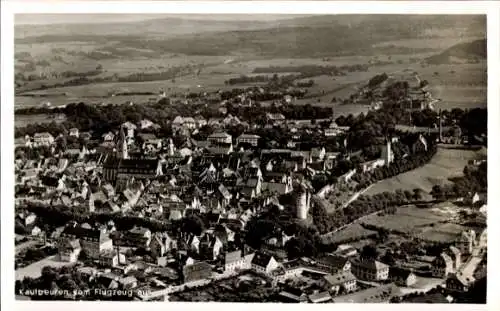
column 105, row 18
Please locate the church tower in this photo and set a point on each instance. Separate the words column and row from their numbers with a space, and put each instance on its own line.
column 122, row 146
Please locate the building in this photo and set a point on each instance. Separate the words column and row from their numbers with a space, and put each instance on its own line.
column 343, row 281
column 129, row 128
column 234, row 261
column 456, row 257
column 442, row 266
column 74, row 132
column 92, row 241
column 264, row 263
column 335, row 263
column 43, row 139
column 220, row 138
column 466, row 241
column 196, row 271
column 112, row 259
column 248, row 139
column 370, row 270
column 402, row 277
column 69, row 250
column 387, row 154
column 457, row 282
column 378, row 294
column 303, row 202
column 115, row 168
column 420, row 145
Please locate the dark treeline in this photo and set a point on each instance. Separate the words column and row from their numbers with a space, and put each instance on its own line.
column 101, row 119
column 84, row 79
column 475, row 179
column 307, row 71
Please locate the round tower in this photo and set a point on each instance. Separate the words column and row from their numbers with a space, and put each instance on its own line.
column 302, row 203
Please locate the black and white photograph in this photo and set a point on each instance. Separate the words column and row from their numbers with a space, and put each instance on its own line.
column 252, row 158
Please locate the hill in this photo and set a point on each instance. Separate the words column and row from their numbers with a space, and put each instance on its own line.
column 310, row 36
column 475, row 50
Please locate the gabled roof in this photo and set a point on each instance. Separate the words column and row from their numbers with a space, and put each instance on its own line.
column 339, row 278
column 261, row 259
column 370, row 264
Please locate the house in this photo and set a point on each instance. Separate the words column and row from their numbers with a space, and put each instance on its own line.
column 343, row 281
column 234, row 261
column 43, row 139
column 248, row 139
column 74, row 132
column 36, row 231
column 318, row 154
column 112, row 258
column 145, row 124
column 128, row 282
column 200, row 121
column 108, row 137
column 69, row 250
column 402, row 277
column 194, row 244
column 220, row 138
column 370, row 270
column 466, row 241
column 335, row 263
column 92, row 241
column 138, row 237
column 109, row 281
column 442, row 266
column 321, row 297
column 377, row 294
column 129, row 128
column 457, row 282
column 212, row 247
column 264, row 263
column 292, row 294
column 420, row 145
column 196, row 271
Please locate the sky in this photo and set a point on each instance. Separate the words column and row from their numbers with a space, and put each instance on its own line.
column 44, row 19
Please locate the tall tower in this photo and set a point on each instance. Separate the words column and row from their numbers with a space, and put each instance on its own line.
column 122, row 145
column 171, row 147
column 303, row 202
column 387, row 154
column 440, row 120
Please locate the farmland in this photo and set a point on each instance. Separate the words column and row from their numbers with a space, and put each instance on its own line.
column 445, row 164
column 351, row 233
column 407, row 220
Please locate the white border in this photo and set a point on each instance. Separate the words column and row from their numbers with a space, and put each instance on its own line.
column 492, row 9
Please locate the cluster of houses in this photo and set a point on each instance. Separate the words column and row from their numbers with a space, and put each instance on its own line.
column 224, row 181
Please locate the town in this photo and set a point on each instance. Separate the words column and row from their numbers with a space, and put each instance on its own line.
column 245, row 196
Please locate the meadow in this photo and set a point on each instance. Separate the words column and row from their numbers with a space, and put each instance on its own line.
column 406, row 220
column 445, row 164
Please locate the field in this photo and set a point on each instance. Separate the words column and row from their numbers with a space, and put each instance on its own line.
column 35, row 269
column 408, row 219
column 445, row 164
column 24, row 120
column 353, row 232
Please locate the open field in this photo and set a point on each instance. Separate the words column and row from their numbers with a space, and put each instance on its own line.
column 24, row 120
column 35, row 269
column 353, row 232
column 445, row 164
column 407, row 219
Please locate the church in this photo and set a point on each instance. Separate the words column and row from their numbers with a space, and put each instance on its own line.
column 120, row 169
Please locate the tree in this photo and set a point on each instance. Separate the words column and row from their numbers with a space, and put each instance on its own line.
column 193, row 225
column 369, row 252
